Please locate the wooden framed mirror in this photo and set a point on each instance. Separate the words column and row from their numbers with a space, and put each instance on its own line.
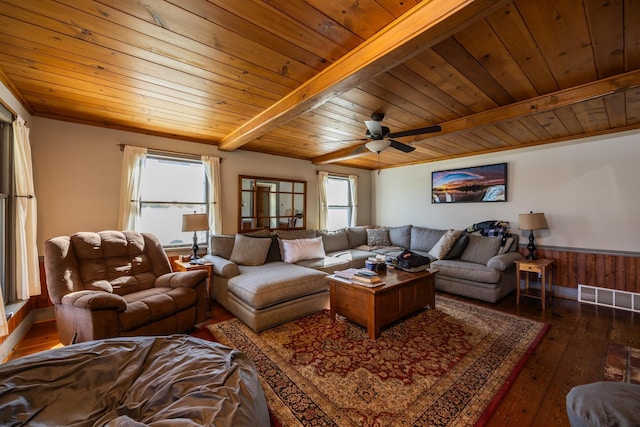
column 271, row 203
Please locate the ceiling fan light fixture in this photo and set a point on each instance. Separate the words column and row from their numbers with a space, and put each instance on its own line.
column 378, row 145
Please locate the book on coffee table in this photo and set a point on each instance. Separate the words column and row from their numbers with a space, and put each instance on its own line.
column 371, row 282
column 358, row 276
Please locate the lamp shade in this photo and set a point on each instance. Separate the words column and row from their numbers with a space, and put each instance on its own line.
column 195, row 222
column 378, row 145
column 532, row 221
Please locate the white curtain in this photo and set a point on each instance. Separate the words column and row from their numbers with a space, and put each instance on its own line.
column 212, row 168
column 27, row 266
column 323, row 182
column 133, row 162
column 353, row 186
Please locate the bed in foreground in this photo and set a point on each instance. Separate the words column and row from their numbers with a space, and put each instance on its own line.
column 134, row 381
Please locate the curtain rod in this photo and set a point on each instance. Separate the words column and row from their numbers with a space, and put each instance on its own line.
column 346, row 175
column 121, row 146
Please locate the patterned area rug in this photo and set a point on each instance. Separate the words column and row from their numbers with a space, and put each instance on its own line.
column 623, row 364
column 447, row 367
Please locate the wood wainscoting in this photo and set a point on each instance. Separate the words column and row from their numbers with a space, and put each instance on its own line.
column 619, row 271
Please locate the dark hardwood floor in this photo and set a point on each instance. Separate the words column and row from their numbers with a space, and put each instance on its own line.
column 573, row 352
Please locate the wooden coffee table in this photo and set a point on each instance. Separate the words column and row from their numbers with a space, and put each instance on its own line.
column 402, row 294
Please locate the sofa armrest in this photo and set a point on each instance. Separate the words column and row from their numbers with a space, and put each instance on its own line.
column 181, row 279
column 95, row 300
column 223, row 267
column 504, row 261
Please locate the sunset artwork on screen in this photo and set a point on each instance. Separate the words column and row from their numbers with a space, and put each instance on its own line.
column 475, row 184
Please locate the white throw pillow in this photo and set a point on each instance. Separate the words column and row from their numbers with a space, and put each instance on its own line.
column 444, row 245
column 299, row 249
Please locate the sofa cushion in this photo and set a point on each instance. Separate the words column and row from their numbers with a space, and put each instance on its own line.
column 250, row 250
column 328, row 264
column 296, row 234
column 154, row 304
column 221, row 245
column 480, row 249
column 400, row 236
column 276, row 282
column 357, row 236
column 423, row 239
column 467, row 271
column 458, row 247
column 334, row 240
column 444, row 245
column 378, row 237
column 301, row 249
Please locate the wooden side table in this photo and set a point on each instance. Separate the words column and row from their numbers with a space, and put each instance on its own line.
column 544, row 267
column 187, row 266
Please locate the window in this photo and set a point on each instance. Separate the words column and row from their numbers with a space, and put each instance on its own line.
column 9, row 294
column 338, row 202
column 170, row 187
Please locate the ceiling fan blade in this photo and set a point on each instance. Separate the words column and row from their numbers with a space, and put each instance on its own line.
column 375, row 128
column 412, row 132
column 402, row 147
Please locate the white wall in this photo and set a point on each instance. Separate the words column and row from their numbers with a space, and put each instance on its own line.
column 77, row 176
column 588, row 190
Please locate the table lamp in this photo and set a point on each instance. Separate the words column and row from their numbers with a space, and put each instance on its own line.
column 532, row 221
column 195, row 222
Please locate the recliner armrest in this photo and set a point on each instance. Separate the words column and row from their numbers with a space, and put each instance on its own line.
column 181, row 279
column 504, row 261
column 95, row 300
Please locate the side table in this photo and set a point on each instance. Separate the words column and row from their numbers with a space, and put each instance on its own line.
column 187, row 266
column 544, row 267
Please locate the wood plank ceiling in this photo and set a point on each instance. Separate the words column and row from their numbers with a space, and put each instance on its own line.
column 298, row 78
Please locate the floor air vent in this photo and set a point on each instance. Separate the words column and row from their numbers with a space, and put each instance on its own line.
column 609, row 297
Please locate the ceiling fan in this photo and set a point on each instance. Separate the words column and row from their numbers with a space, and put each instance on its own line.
column 380, row 137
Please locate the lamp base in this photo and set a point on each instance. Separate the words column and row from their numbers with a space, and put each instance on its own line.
column 532, row 248
column 194, row 247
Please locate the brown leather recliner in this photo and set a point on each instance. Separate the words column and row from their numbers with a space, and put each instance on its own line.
column 113, row 283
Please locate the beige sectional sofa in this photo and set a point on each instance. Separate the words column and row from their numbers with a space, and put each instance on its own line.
column 251, row 280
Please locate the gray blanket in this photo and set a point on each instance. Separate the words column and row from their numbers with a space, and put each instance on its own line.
column 156, row 381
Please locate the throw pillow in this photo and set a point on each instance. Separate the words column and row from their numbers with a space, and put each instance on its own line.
column 458, row 247
column 400, row 236
column 250, row 250
column 357, row 236
column 221, row 245
column 274, row 249
column 423, row 239
column 378, row 237
column 480, row 249
column 507, row 245
column 300, row 249
column 444, row 245
column 334, row 241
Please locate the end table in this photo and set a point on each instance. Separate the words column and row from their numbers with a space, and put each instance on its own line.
column 187, row 266
column 541, row 266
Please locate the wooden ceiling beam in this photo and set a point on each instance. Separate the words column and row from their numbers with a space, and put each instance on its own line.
column 537, row 105
column 424, row 25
